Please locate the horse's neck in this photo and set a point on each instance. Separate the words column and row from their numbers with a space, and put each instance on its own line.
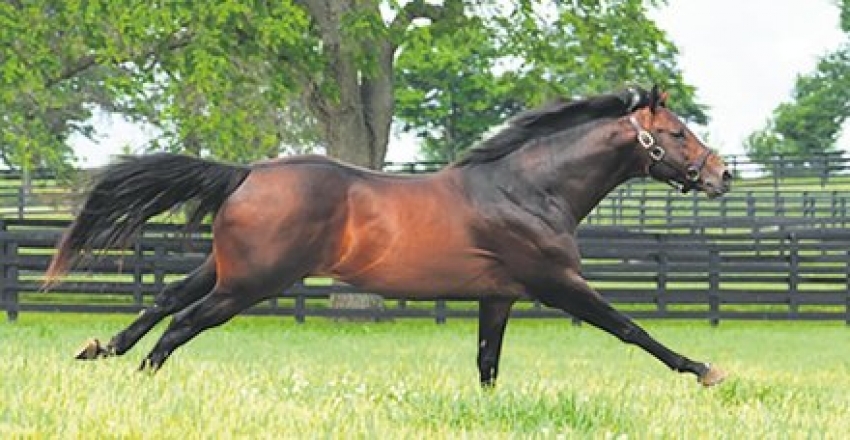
column 583, row 174
column 587, row 187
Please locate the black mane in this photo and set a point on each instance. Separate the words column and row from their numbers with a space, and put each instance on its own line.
column 557, row 116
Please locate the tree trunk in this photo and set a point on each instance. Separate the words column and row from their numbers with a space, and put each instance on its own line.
column 355, row 118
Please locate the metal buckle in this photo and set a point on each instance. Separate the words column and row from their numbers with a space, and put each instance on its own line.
column 692, row 174
column 657, row 153
column 647, row 141
column 645, row 138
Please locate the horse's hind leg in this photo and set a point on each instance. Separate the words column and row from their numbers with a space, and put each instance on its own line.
column 174, row 297
column 577, row 298
column 215, row 309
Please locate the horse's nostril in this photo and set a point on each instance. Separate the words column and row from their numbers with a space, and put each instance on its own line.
column 727, row 176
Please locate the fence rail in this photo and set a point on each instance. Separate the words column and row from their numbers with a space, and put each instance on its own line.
column 638, row 205
column 798, row 272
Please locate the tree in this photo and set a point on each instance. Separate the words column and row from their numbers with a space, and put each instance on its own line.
column 448, row 91
column 460, row 77
column 231, row 79
column 208, row 76
column 811, row 122
column 820, row 103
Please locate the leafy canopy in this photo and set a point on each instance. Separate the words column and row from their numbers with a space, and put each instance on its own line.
column 463, row 76
column 241, row 80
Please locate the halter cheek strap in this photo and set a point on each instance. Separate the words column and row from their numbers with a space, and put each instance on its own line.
column 658, row 154
column 647, row 141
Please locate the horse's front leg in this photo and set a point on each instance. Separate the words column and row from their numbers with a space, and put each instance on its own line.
column 575, row 296
column 492, row 319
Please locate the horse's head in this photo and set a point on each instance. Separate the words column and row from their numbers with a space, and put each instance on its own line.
column 673, row 153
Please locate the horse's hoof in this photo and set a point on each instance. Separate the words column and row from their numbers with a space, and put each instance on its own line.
column 712, row 377
column 90, row 351
column 148, row 366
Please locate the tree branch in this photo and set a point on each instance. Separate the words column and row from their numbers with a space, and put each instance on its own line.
column 180, row 39
column 417, row 9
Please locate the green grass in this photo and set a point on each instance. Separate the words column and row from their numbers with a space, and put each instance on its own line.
column 271, row 378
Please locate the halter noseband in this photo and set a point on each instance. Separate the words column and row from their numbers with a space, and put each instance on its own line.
column 657, row 154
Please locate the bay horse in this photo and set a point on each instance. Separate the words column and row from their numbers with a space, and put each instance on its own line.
column 498, row 225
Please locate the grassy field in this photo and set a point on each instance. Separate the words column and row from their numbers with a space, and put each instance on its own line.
column 270, row 378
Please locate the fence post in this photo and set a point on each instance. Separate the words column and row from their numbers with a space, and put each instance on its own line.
column 777, row 161
column 22, row 201
column 618, row 215
column 300, row 308
column 138, row 273
column 694, row 205
column 661, row 277
column 3, row 262
column 713, row 286
column 847, row 288
column 10, row 279
column 5, row 297
column 440, row 311
column 793, row 275
column 778, row 204
column 159, row 270
column 808, row 205
column 751, row 205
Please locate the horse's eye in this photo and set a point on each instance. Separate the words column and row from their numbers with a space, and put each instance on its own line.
column 679, row 134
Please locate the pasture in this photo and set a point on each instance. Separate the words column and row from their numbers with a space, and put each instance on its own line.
column 260, row 377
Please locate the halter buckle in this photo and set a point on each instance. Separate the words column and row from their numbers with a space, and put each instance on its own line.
column 657, row 153
column 645, row 139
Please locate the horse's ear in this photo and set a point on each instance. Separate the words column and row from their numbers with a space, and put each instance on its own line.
column 657, row 98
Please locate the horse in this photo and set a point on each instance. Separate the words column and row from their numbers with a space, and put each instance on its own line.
column 498, row 225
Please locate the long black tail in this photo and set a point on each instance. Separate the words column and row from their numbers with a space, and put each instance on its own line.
column 127, row 193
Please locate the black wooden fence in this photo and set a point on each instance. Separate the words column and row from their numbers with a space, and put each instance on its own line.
column 633, row 206
column 797, row 270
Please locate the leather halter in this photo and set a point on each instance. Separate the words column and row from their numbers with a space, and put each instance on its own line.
column 658, row 154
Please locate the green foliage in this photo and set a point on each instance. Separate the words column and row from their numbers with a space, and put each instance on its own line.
column 244, row 80
column 205, row 75
column 448, row 90
column 458, row 78
column 811, row 123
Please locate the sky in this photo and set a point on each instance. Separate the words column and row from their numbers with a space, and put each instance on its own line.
column 742, row 56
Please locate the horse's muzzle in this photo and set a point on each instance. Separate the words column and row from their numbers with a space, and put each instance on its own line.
column 717, row 186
